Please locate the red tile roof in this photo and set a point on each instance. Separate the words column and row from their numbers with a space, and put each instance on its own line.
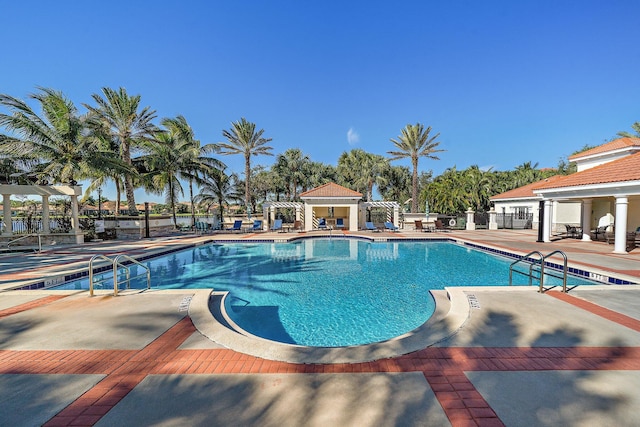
column 331, row 190
column 616, row 144
column 621, row 170
column 525, row 191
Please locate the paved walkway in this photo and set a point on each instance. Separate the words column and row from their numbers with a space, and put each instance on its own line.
column 520, row 358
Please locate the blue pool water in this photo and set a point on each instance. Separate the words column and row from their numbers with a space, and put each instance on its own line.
column 328, row 292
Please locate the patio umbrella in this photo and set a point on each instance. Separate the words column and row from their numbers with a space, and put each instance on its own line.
column 426, row 208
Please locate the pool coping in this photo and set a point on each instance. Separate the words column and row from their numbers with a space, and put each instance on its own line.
column 451, row 312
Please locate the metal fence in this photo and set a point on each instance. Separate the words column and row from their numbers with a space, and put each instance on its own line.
column 514, row 221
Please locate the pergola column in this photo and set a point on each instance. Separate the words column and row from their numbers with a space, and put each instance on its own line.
column 546, row 226
column 46, row 225
column 6, row 215
column 620, row 245
column 586, row 220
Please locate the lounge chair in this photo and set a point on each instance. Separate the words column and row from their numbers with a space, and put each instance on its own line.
column 440, row 226
column 322, row 224
column 417, row 225
column 388, row 225
column 340, row 223
column 369, row 226
column 573, row 231
column 201, row 227
column 237, row 225
column 257, row 225
column 277, row 225
column 297, row 225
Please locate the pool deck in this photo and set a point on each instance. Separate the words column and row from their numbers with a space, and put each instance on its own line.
column 511, row 356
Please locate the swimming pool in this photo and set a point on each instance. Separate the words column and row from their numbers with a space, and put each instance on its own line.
column 328, row 292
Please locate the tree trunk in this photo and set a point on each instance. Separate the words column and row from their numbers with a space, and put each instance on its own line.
column 193, row 209
column 128, row 180
column 247, row 173
column 414, row 186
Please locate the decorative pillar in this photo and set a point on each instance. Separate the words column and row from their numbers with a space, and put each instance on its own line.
column 46, row 224
column 7, row 230
column 471, row 225
column 620, row 245
column 75, row 225
column 308, row 216
column 493, row 223
column 546, row 225
column 586, row 220
column 396, row 216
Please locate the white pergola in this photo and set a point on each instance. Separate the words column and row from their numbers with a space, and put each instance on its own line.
column 393, row 211
column 45, row 191
column 269, row 211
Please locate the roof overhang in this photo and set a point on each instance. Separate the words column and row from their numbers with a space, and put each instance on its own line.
column 611, row 189
column 41, row 190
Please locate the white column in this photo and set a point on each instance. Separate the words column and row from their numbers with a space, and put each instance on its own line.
column 493, row 224
column 396, row 216
column 6, row 215
column 620, row 245
column 353, row 217
column 46, row 226
column 586, row 220
column 308, row 217
column 471, row 225
column 546, row 230
column 75, row 225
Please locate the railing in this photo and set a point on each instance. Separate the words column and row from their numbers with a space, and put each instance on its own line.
column 10, row 242
column 532, row 264
column 118, row 265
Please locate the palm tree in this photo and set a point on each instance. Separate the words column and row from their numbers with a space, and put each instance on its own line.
column 197, row 164
column 127, row 126
column 218, row 188
column 360, row 170
column 291, row 165
column 53, row 146
column 414, row 142
column 161, row 168
column 244, row 139
column 635, row 127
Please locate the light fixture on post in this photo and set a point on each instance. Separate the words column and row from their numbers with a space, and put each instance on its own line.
column 99, row 202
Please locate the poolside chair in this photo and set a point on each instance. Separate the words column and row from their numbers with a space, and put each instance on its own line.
column 322, row 224
column 417, row 225
column 369, row 226
column 440, row 226
column 237, row 225
column 388, row 225
column 277, row 225
column 297, row 225
column 340, row 223
column 257, row 225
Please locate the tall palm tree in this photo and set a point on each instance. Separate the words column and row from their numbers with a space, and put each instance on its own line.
column 244, row 139
column 360, row 170
column 53, row 146
column 197, row 164
column 415, row 142
column 128, row 125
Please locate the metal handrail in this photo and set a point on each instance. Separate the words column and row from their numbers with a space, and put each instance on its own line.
column 523, row 259
column 542, row 261
column 117, row 264
column 564, row 269
column 91, row 282
column 24, row 237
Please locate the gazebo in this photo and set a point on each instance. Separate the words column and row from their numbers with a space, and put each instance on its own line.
column 45, row 191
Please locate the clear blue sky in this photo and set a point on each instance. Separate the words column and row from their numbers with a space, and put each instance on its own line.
column 504, row 82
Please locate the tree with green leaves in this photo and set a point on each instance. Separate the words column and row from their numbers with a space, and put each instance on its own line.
column 635, row 127
column 243, row 139
column 398, row 184
column 292, row 166
column 52, row 146
column 127, row 125
column 219, row 188
column 415, row 142
column 361, row 171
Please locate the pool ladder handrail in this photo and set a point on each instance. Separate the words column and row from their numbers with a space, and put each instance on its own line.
column 541, row 260
column 116, row 266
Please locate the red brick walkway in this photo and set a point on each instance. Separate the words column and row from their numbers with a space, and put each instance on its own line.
column 443, row 368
